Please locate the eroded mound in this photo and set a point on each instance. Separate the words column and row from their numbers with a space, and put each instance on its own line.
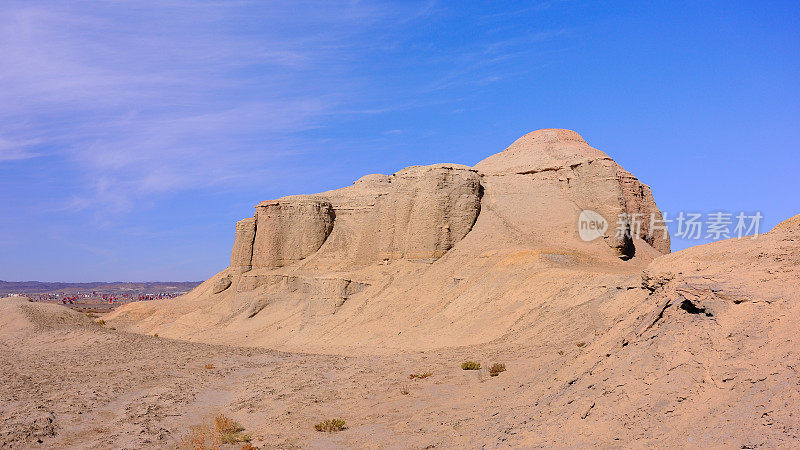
column 427, row 257
column 707, row 358
column 20, row 316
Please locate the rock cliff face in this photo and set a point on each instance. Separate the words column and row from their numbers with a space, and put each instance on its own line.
column 418, row 213
column 421, row 212
column 427, row 211
column 541, row 163
column 446, row 252
column 289, row 230
column 242, row 253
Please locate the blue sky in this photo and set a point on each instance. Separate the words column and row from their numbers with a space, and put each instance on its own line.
column 134, row 133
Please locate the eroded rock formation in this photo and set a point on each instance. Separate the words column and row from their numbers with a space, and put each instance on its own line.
column 539, row 162
column 290, row 229
column 242, row 253
column 420, row 212
column 444, row 254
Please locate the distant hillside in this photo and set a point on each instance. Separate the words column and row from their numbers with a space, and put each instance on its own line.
column 43, row 287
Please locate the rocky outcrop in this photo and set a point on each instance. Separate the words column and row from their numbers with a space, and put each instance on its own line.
column 427, row 211
column 221, row 284
column 444, row 254
column 289, row 230
column 698, row 346
column 242, row 253
column 641, row 210
column 319, row 295
column 586, row 177
column 537, row 186
column 418, row 213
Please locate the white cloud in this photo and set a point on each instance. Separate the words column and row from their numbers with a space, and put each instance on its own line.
column 153, row 97
column 15, row 150
column 148, row 97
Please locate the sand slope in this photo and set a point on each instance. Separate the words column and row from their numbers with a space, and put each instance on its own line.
column 710, row 357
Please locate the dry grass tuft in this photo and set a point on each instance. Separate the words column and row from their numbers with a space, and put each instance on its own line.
column 230, row 431
column 470, row 365
column 155, row 335
column 404, row 390
column 226, row 425
column 212, row 436
column 330, row 425
column 496, row 369
column 581, row 344
column 561, row 352
column 200, row 437
column 101, row 322
column 419, row 376
column 209, row 366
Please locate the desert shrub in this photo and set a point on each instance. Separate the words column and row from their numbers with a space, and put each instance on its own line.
column 561, row 352
column 229, row 431
column 330, row 425
column 234, row 438
column 470, row 365
column 200, row 437
column 581, row 344
column 209, row 366
column 496, row 369
column 101, row 322
column 419, row 376
column 404, row 390
column 227, row 425
column 155, row 335
column 211, row 436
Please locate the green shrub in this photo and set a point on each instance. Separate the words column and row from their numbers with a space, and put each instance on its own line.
column 470, row 365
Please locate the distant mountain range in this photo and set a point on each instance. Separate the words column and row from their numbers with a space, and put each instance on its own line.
column 117, row 287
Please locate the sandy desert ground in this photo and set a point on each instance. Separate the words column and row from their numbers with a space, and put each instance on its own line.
column 602, row 346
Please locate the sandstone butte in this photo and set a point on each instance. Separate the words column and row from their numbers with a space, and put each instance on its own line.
column 430, row 256
column 612, row 342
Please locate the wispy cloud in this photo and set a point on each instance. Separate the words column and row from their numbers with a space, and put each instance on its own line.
column 143, row 98
column 151, row 97
column 16, row 150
